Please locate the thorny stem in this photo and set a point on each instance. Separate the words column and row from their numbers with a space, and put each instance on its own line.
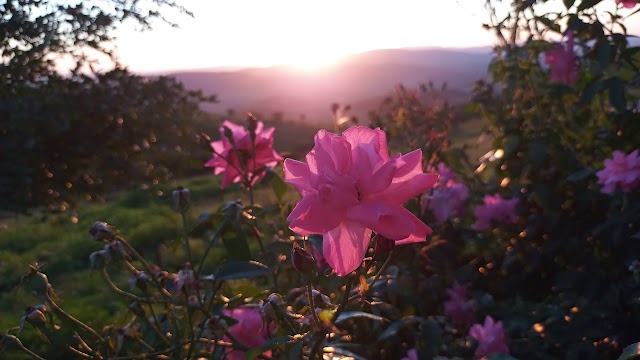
column 345, row 298
column 82, row 325
column 119, row 291
column 145, row 264
column 80, row 353
column 22, row 347
column 156, row 324
column 84, row 343
column 312, row 305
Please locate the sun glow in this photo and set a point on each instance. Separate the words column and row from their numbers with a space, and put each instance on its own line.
column 305, row 36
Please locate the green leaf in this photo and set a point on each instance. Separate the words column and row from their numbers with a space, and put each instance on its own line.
column 238, row 270
column 586, row 4
column 237, row 247
column 278, row 185
column 590, row 92
column 269, row 345
column 616, row 94
column 630, row 352
column 603, row 53
column 201, row 224
column 568, row 3
column 581, row 175
column 358, row 314
column 538, row 151
column 510, row 143
column 393, row 329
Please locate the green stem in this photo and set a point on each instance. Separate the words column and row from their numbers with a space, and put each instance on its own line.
column 185, row 230
column 375, row 278
column 23, row 348
column 312, row 305
column 213, row 240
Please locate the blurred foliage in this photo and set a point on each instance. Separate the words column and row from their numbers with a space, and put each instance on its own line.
column 77, row 136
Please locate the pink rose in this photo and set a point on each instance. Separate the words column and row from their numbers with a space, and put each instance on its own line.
column 495, row 209
column 250, row 330
column 351, row 187
column 629, row 4
column 620, row 172
column 446, row 200
column 490, row 338
column 562, row 61
column 459, row 308
column 236, row 161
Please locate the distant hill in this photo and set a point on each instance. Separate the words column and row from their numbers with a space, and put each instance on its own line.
column 360, row 80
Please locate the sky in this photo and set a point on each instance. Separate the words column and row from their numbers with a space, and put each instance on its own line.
column 299, row 33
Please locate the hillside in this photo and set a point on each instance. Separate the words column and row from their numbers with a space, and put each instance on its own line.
column 360, row 80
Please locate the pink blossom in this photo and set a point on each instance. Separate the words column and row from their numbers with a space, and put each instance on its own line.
column 620, row 172
column 351, row 187
column 496, row 209
column 449, row 199
column 236, row 161
column 490, row 338
column 459, row 308
column 250, row 330
column 562, row 61
column 411, row 355
column 629, row 4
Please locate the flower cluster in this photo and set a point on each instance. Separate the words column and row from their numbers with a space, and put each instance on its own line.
column 243, row 155
column 490, row 336
column 620, row 172
column 496, row 209
column 448, row 198
column 459, row 308
column 351, row 187
column 562, row 61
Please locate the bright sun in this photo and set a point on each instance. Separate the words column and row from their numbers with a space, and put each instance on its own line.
column 314, row 60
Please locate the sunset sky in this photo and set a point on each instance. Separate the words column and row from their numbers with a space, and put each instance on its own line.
column 305, row 34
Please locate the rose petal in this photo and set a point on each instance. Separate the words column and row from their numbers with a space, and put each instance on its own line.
column 298, row 174
column 313, row 216
column 344, row 246
column 393, row 222
column 400, row 192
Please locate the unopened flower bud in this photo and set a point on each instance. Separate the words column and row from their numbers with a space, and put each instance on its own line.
column 116, row 251
column 181, row 199
column 252, row 125
column 321, row 300
column 232, row 210
column 37, row 282
column 302, row 260
column 228, row 133
column 99, row 259
column 36, row 317
column 100, row 230
column 271, row 309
